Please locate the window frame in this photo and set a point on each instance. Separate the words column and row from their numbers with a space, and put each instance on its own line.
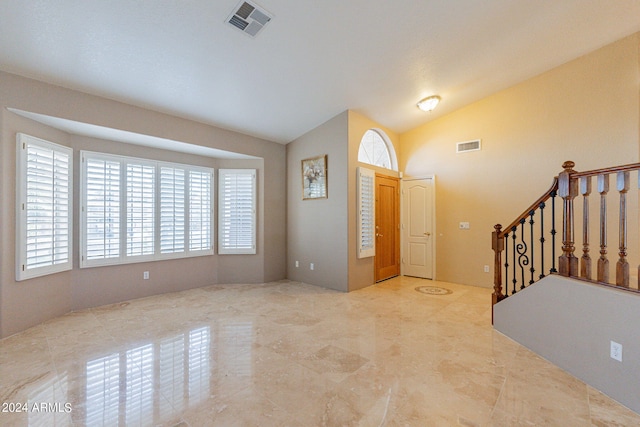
column 222, row 191
column 22, row 143
column 157, row 255
column 388, row 146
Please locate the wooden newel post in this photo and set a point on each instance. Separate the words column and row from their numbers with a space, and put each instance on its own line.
column 497, row 243
column 568, row 190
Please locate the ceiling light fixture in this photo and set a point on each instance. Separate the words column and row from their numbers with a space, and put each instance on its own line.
column 429, row 103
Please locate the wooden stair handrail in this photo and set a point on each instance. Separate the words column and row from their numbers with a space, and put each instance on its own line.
column 606, row 171
column 534, row 206
column 568, row 185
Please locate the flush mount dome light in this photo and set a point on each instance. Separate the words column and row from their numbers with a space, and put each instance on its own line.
column 429, row 103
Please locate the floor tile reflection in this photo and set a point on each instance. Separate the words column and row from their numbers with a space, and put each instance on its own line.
column 290, row 354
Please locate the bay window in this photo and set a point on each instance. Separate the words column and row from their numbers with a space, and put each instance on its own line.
column 135, row 210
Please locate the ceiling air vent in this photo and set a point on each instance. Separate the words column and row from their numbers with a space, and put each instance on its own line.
column 249, row 18
column 463, row 147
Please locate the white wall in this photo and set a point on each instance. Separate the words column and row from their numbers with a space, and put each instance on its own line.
column 571, row 323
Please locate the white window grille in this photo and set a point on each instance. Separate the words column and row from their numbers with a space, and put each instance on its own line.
column 376, row 150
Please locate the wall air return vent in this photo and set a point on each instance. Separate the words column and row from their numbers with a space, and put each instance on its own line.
column 249, row 18
column 463, row 147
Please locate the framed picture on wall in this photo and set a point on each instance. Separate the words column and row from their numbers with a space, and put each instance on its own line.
column 314, row 178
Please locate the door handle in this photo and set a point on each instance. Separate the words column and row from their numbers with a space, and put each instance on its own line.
column 427, row 234
column 379, row 235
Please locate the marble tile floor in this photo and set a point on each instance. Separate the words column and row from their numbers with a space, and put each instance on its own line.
column 290, row 354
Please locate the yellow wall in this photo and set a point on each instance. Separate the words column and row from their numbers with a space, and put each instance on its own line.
column 586, row 111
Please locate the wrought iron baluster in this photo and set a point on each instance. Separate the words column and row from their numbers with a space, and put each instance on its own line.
column 542, row 240
column 506, row 265
column 532, row 268
column 513, row 238
column 523, row 259
column 553, row 232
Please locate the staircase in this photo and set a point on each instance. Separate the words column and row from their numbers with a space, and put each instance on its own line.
column 582, row 308
column 527, row 249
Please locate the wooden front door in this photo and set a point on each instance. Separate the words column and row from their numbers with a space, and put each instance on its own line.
column 387, row 263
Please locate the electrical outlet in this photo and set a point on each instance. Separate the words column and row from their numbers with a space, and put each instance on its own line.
column 145, row 275
column 297, row 264
column 311, row 266
column 486, row 268
column 616, row 351
column 464, row 226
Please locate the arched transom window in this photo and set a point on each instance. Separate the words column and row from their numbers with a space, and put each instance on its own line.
column 376, row 150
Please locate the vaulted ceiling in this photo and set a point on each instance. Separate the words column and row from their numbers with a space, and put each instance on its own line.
column 312, row 61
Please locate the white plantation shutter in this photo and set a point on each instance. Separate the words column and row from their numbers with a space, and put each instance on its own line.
column 172, row 209
column 136, row 210
column 101, row 208
column 44, row 203
column 140, row 209
column 237, row 211
column 366, row 213
column 200, row 214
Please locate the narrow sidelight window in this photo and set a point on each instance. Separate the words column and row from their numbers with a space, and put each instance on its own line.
column 366, row 213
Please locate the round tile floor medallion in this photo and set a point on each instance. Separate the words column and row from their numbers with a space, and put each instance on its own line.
column 433, row 290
